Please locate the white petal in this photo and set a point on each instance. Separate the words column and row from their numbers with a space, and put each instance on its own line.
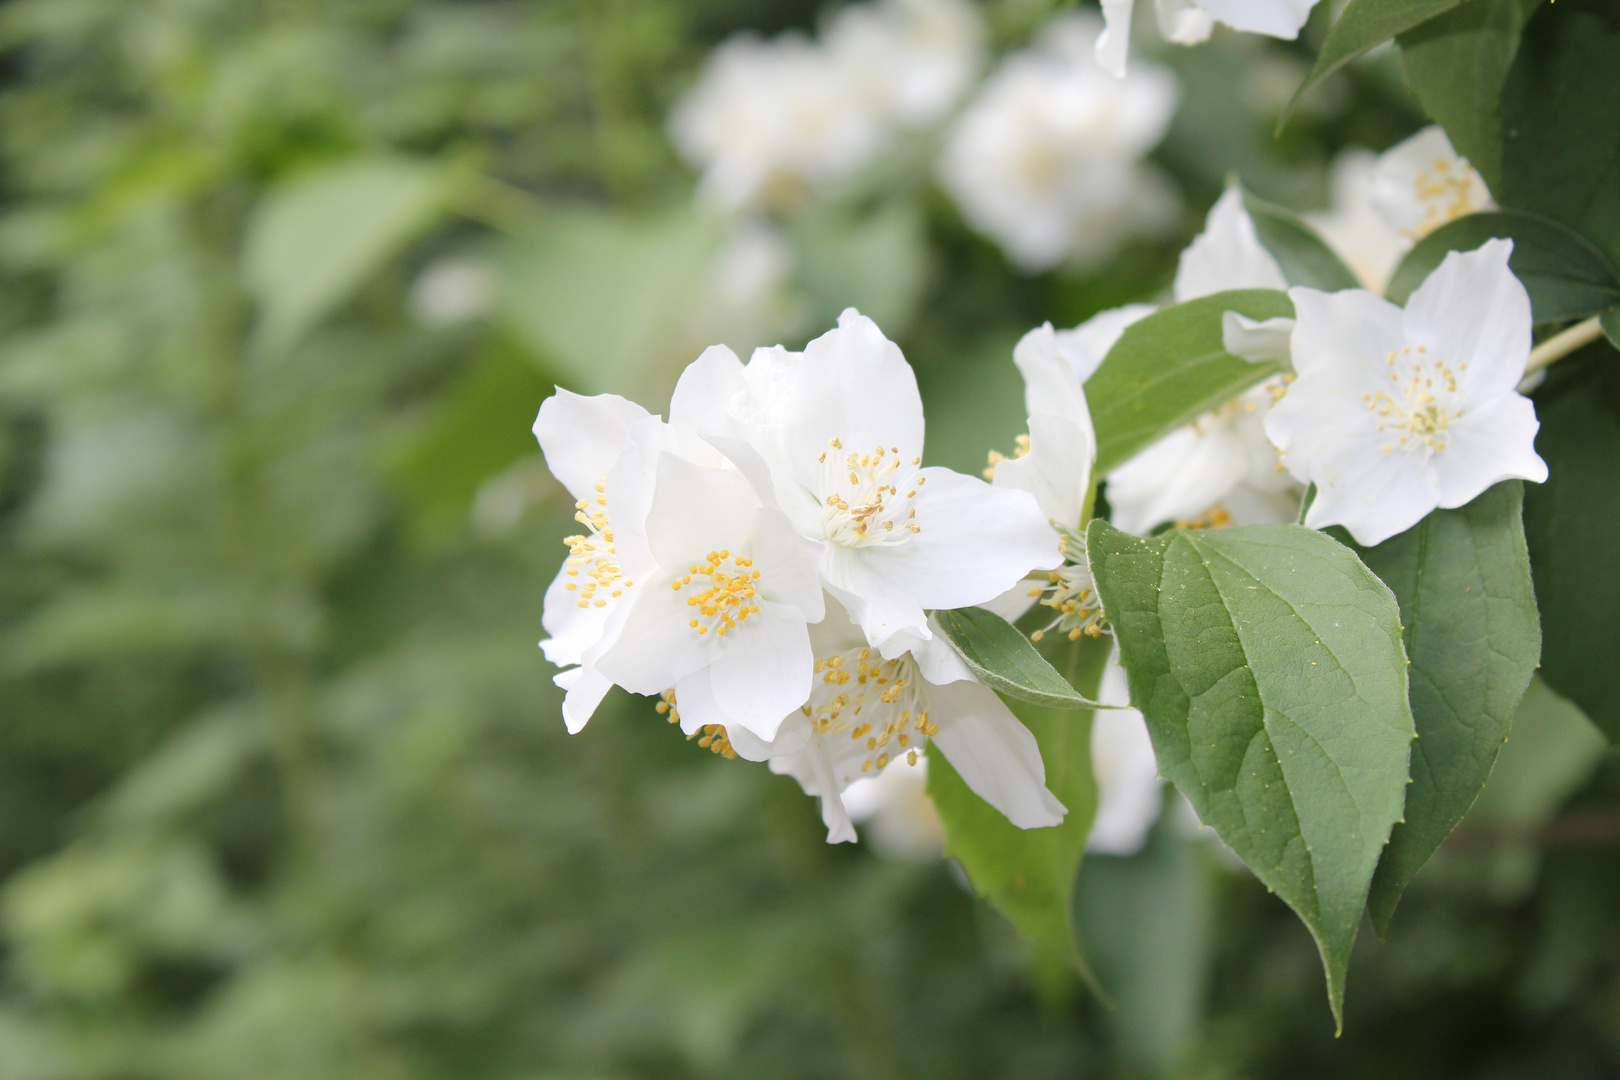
column 1184, row 22
column 695, row 510
column 585, row 688
column 748, row 460
column 1276, row 18
column 573, row 629
column 763, row 669
column 1486, row 446
column 879, row 606
column 1226, row 255
column 583, row 436
column 1114, row 43
column 1057, row 469
column 975, row 543
column 1129, row 791
column 1374, row 495
column 1257, row 341
column 1051, row 385
column 791, row 738
column 788, row 563
column 657, row 648
column 704, row 394
column 854, row 385
column 936, row 659
column 1472, row 310
column 1347, row 330
column 994, row 752
column 813, row 770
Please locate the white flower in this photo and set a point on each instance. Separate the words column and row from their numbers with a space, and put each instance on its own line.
column 1395, row 413
column 585, row 439
column 605, row 450
column 838, row 431
column 866, row 714
column 1047, row 160
column 1129, row 791
column 721, row 615
column 769, row 120
column 909, row 60
column 1422, row 183
column 1189, row 22
column 452, row 291
column 1220, row 469
column 1354, row 227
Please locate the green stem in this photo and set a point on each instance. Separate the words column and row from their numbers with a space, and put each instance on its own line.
column 1563, row 343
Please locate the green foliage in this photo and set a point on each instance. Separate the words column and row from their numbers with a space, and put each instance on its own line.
column 316, row 238
column 1028, row 874
column 1566, row 277
column 1303, row 255
column 1468, row 612
column 878, row 263
column 1561, row 121
column 1456, row 65
column 1364, row 25
column 601, row 296
column 1268, row 662
column 1172, row 367
column 1569, row 520
column 1005, row 661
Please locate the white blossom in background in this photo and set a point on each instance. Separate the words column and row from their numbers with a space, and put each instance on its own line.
column 1129, row 791
column 1354, row 227
column 895, row 815
column 910, row 61
column 867, row 714
column 1423, row 183
column 1048, row 158
column 837, row 431
column 770, row 120
column 1189, row 22
column 1395, row 413
column 1220, row 469
column 452, row 291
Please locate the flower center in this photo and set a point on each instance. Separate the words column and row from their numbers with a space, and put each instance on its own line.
column 722, row 586
column 1446, row 190
column 1418, row 409
column 861, row 497
column 873, row 703
column 712, row 737
column 591, row 558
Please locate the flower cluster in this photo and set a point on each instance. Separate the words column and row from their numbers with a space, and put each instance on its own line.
column 765, row 559
column 1224, row 468
column 770, row 121
column 1189, row 22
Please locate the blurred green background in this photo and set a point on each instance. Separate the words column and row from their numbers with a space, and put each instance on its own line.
column 284, row 789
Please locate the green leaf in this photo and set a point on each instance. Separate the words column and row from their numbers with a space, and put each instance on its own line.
column 1561, row 121
column 314, row 240
column 1462, row 578
column 1170, row 368
column 1148, row 925
column 1304, row 256
column 1364, row 25
column 1456, row 65
column 1566, row 277
column 1005, row 661
column 602, row 295
column 1267, row 660
column 1552, row 751
column 1610, row 321
column 1570, row 523
column 1028, row 874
